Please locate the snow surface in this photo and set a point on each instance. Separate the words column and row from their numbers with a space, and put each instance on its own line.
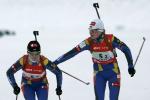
column 62, row 25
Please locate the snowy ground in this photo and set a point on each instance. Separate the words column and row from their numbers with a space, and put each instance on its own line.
column 64, row 24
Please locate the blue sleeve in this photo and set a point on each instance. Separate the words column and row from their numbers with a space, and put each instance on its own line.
column 54, row 69
column 76, row 50
column 125, row 49
column 11, row 71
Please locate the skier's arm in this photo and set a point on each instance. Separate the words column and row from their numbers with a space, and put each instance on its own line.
column 12, row 70
column 54, row 69
column 79, row 48
column 125, row 49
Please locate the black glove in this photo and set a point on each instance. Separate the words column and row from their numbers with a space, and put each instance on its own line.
column 131, row 71
column 58, row 91
column 16, row 90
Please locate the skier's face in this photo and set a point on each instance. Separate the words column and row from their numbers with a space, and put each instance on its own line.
column 95, row 33
column 34, row 56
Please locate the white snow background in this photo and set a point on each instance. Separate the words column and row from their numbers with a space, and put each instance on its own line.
column 62, row 24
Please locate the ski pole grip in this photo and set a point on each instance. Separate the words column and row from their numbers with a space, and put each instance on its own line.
column 95, row 5
column 35, row 34
column 144, row 38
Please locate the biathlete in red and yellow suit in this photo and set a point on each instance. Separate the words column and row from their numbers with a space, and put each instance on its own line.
column 34, row 81
column 102, row 47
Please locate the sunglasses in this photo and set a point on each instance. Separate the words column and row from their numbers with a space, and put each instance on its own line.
column 97, row 30
column 34, row 53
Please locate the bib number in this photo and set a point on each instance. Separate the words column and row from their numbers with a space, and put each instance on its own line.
column 103, row 56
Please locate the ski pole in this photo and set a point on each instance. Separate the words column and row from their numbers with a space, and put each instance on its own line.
column 139, row 51
column 95, row 5
column 35, row 34
column 59, row 97
column 16, row 97
column 87, row 83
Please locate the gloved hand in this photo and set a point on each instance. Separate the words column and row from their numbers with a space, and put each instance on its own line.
column 131, row 71
column 58, row 91
column 16, row 90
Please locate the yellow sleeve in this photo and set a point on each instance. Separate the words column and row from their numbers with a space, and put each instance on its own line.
column 45, row 62
column 21, row 61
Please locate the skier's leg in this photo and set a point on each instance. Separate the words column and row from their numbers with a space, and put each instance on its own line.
column 114, row 87
column 99, row 86
column 28, row 92
column 42, row 92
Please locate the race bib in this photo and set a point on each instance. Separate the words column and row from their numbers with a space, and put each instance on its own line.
column 33, row 76
column 103, row 56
